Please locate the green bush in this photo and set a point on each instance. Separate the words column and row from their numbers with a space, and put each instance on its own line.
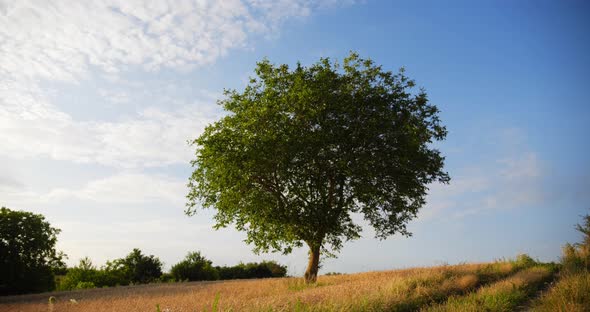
column 263, row 269
column 86, row 275
column 194, row 267
column 85, row 285
column 139, row 268
column 525, row 261
column 167, row 278
column 98, row 278
column 576, row 257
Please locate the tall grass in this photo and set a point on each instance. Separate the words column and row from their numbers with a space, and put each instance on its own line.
column 400, row 290
column 505, row 295
column 571, row 293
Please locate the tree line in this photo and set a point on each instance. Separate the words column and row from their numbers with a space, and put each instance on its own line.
column 137, row 268
column 29, row 262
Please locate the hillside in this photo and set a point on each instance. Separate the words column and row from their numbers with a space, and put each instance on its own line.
column 499, row 286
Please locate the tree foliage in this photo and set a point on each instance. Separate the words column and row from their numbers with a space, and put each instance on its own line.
column 27, row 252
column 140, row 268
column 135, row 268
column 302, row 150
column 264, row 269
column 194, row 267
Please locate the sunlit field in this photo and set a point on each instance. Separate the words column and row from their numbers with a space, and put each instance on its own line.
column 571, row 293
column 399, row 290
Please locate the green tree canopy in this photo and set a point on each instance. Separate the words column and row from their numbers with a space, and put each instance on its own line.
column 27, row 252
column 139, row 268
column 301, row 150
column 194, row 267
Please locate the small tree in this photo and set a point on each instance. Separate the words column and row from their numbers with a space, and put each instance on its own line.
column 300, row 151
column 194, row 267
column 27, row 252
column 84, row 275
column 139, row 268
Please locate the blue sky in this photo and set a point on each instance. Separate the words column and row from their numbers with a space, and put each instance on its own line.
column 97, row 101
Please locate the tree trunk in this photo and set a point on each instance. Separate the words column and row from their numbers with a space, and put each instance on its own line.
column 311, row 274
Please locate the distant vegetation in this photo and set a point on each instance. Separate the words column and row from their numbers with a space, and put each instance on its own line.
column 195, row 267
column 29, row 262
column 137, row 268
column 486, row 284
column 504, row 285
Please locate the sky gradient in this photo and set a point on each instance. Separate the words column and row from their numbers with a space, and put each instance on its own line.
column 99, row 99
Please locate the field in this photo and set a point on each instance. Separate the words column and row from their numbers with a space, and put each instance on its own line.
column 570, row 293
column 499, row 286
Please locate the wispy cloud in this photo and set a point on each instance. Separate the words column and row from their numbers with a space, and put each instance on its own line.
column 69, row 42
column 513, row 180
column 63, row 39
column 117, row 190
column 126, row 188
column 152, row 138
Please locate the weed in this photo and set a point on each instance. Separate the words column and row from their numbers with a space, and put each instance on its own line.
column 215, row 305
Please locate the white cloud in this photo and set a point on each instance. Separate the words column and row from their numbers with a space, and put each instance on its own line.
column 63, row 39
column 152, row 138
column 69, row 41
column 124, row 188
column 524, row 166
column 512, row 182
column 115, row 198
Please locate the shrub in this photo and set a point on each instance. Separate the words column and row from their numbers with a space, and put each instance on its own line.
column 333, row 273
column 576, row 257
column 263, row 269
column 276, row 269
column 139, row 268
column 85, row 285
column 166, row 278
column 86, row 273
column 524, row 261
column 80, row 276
column 194, row 267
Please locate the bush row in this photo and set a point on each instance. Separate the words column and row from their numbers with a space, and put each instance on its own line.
column 137, row 268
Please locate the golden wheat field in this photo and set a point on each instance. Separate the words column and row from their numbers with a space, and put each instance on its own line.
column 398, row 290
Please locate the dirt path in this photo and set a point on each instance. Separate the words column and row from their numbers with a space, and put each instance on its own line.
column 542, row 290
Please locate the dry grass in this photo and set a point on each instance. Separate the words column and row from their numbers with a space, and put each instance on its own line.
column 571, row 294
column 399, row 290
column 505, row 295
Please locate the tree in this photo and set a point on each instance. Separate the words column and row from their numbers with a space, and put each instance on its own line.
column 194, row 267
column 301, row 151
column 27, row 252
column 139, row 268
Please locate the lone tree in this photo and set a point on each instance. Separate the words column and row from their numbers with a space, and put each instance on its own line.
column 301, row 150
